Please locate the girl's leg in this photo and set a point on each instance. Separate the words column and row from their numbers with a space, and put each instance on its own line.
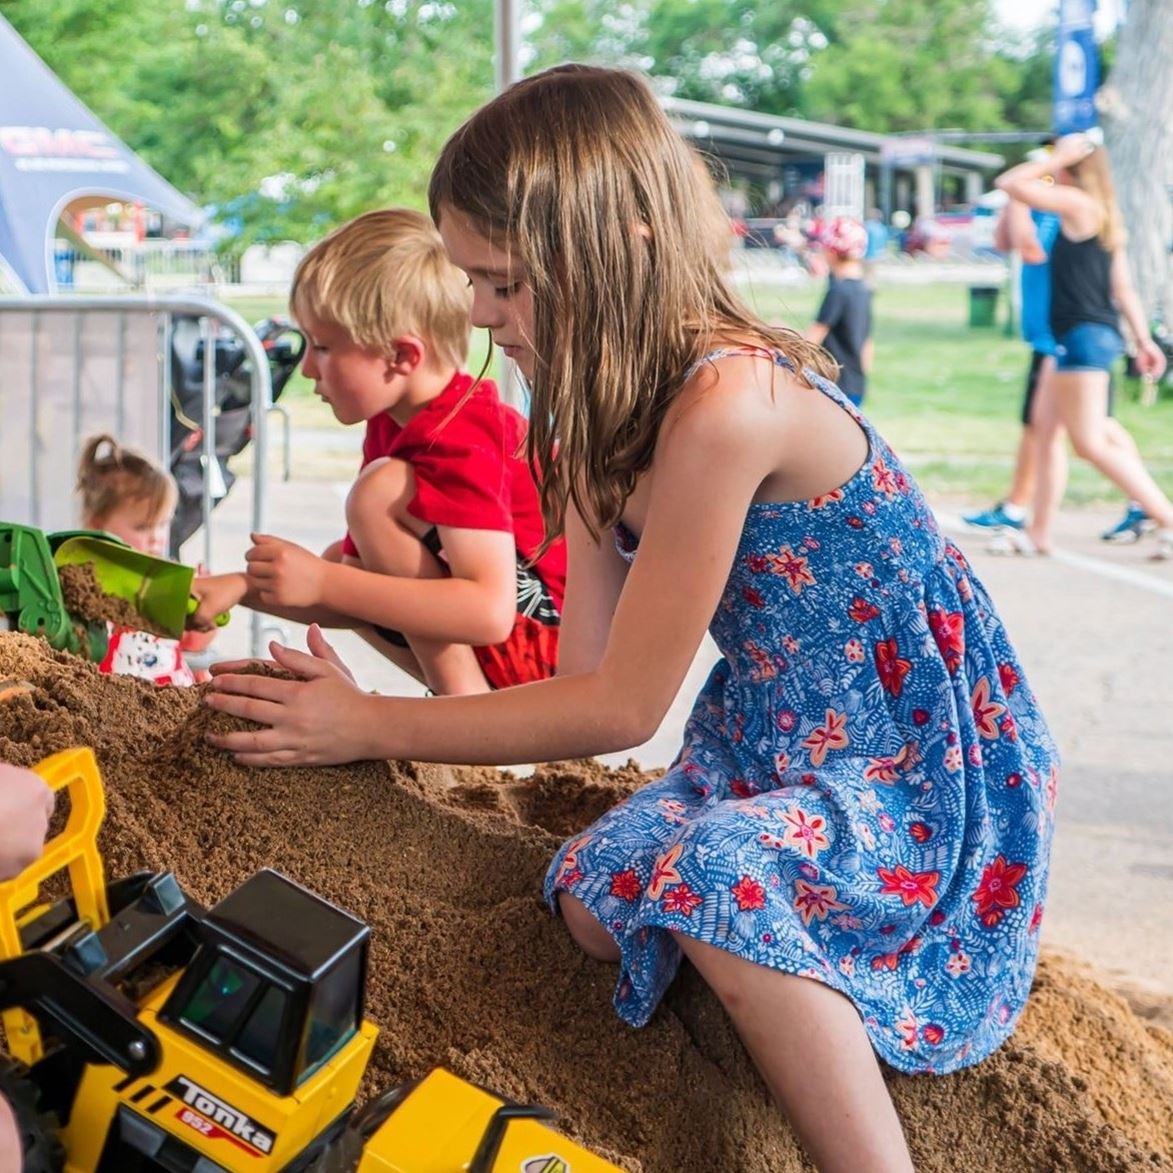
column 811, row 1048
column 1050, row 460
column 389, row 542
column 586, row 931
column 1083, row 400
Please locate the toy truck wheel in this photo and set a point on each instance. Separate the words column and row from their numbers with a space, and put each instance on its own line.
column 38, row 1131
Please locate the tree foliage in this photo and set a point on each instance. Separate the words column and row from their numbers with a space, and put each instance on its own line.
column 291, row 115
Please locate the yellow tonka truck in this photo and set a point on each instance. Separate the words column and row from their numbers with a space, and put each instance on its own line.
column 151, row 1035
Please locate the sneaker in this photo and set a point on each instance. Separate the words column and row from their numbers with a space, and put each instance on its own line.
column 1130, row 527
column 995, row 518
column 1164, row 548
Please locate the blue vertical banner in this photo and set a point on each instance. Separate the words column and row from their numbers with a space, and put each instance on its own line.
column 1077, row 68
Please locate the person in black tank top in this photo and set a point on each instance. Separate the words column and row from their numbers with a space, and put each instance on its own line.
column 1091, row 290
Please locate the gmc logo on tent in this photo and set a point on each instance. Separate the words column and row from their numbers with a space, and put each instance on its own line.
column 24, row 141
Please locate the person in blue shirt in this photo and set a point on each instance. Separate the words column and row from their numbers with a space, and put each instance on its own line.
column 1032, row 233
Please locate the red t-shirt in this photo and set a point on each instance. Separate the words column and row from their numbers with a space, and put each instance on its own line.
column 465, row 449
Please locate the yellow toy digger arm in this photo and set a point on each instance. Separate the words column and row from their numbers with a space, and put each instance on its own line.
column 73, row 850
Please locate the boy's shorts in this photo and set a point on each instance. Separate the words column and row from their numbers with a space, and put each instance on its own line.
column 1090, row 346
column 531, row 651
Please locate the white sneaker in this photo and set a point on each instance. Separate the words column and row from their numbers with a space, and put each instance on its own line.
column 1164, row 547
column 1014, row 542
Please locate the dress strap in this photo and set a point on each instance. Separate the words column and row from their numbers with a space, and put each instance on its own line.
column 725, row 351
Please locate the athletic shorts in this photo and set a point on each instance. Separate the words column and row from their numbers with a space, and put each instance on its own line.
column 531, row 650
column 1090, row 346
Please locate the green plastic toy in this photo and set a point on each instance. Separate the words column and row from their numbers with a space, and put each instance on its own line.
column 30, row 591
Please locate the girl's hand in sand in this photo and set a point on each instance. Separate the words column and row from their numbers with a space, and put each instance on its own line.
column 320, row 719
column 284, row 574
column 26, row 805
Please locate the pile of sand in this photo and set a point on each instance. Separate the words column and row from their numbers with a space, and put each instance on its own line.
column 469, row 971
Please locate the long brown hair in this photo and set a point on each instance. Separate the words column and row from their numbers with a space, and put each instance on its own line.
column 1093, row 175
column 109, row 475
column 578, row 173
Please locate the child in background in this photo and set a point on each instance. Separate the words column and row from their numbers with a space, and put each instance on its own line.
column 852, row 845
column 131, row 497
column 444, row 556
column 843, row 325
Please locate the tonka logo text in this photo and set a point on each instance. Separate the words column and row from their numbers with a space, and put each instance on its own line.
column 217, row 1120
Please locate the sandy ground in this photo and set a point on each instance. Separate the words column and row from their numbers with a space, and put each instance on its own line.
column 1092, row 627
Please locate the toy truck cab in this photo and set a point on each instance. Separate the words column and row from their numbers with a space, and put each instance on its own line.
column 261, row 1041
column 276, row 985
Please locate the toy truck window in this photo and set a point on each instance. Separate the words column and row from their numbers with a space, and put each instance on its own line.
column 220, row 999
column 334, row 1012
column 258, row 1040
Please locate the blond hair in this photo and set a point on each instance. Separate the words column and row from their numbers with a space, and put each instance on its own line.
column 109, row 476
column 1093, row 175
column 577, row 172
column 383, row 275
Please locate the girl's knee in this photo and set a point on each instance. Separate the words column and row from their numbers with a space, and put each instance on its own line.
column 1089, row 446
column 585, row 929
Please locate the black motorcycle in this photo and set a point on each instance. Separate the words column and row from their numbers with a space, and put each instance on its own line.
column 284, row 346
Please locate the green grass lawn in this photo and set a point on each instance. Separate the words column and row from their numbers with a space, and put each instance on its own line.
column 946, row 396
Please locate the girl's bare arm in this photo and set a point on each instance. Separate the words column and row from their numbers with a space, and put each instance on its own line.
column 709, row 462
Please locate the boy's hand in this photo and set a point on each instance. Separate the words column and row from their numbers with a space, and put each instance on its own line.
column 217, row 593
column 284, row 574
column 26, row 805
column 320, row 719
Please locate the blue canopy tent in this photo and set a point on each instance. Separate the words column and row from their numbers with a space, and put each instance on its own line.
column 55, row 155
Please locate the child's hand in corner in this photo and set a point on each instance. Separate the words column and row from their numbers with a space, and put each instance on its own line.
column 284, row 574
column 26, row 804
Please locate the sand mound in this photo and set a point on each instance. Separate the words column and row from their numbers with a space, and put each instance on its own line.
column 469, row 971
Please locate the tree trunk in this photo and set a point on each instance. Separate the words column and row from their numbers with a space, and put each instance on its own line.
column 1137, row 112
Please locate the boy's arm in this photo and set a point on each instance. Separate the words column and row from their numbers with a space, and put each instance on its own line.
column 1021, row 234
column 828, row 315
column 867, row 355
column 476, row 604
column 221, row 592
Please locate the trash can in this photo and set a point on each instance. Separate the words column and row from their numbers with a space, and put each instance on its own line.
column 63, row 262
column 983, row 305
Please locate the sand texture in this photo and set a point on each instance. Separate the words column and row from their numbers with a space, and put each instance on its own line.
column 469, row 970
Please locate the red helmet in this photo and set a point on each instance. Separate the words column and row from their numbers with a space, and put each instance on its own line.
column 846, row 238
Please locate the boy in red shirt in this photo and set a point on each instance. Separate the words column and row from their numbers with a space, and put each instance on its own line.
column 443, row 520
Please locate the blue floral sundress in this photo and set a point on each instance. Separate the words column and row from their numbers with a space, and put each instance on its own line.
column 866, row 789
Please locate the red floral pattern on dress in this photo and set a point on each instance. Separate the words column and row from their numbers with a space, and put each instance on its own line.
column 998, row 891
column 891, row 666
column 828, row 736
column 911, row 887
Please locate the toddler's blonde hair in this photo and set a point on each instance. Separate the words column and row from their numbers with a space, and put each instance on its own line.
column 383, row 275
column 108, row 476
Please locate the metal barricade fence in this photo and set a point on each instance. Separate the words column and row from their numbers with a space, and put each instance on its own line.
column 72, row 366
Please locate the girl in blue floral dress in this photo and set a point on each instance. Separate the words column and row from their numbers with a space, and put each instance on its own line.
column 851, row 847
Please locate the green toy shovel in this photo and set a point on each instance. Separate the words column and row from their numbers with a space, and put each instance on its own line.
column 157, row 589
